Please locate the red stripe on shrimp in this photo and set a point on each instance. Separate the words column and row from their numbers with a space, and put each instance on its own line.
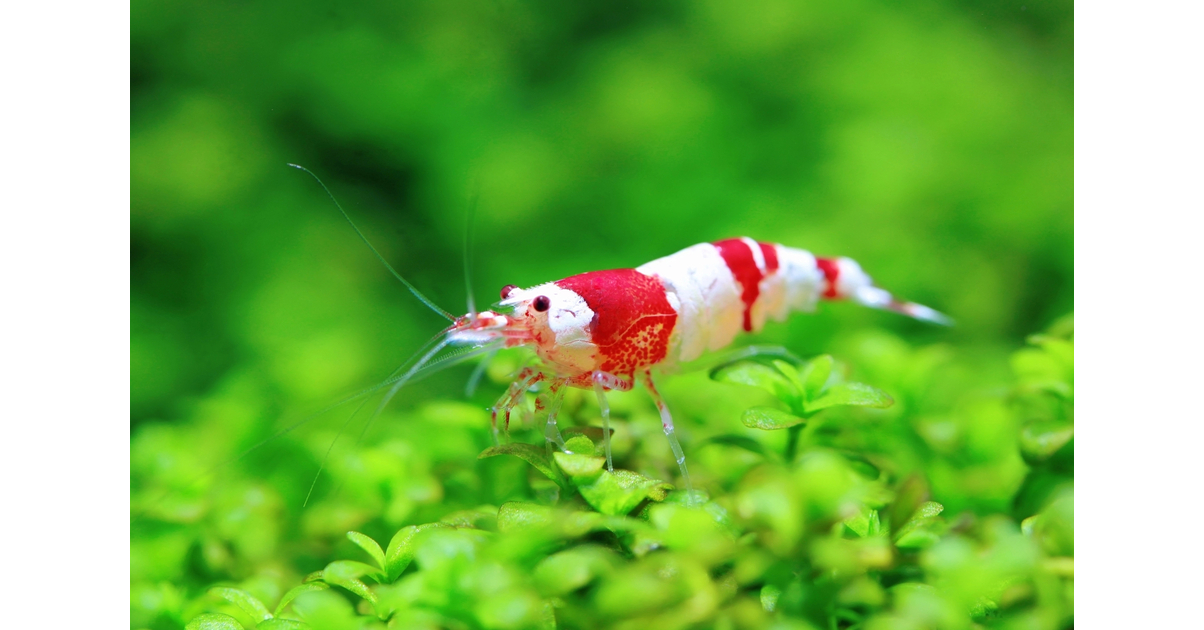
column 831, row 269
column 770, row 252
column 740, row 261
column 632, row 317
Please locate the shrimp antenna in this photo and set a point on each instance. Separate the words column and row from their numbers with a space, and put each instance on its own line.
column 322, row 466
column 278, row 434
column 473, row 198
column 388, row 381
column 418, row 294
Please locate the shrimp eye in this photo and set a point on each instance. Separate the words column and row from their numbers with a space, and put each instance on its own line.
column 542, row 303
column 507, row 289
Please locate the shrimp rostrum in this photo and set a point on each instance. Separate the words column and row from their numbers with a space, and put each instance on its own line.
column 604, row 330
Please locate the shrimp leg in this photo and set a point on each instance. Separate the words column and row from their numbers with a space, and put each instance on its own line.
column 555, row 397
column 602, row 382
column 527, row 378
column 667, row 425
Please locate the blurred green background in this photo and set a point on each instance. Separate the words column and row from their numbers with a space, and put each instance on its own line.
column 930, row 140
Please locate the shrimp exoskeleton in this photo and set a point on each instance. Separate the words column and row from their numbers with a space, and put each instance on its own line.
column 604, row 330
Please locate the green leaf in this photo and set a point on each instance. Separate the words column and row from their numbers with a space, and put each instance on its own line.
column 815, row 376
column 705, row 534
column 861, row 464
column 1041, row 440
column 916, row 532
column 444, row 548
column 769, row 419
column 917, row 539
column 593, row 433
column 329, row 609
column 769, row 597
column 1060, row 349
column 865, row 524
column 575, row 465
column 854, row 394
column 758, row 375
column 569, row 570
column 536, row 456
column 481, row 517
column 297, row 590
column 1061, row 567
column 214, row 621
column 621, row 491
column 244, row 600
column 738, row 441
column 580, row 445
column 1055, row 529
column 928, row 510
column 401, row 549
column 282, row 624
column 346, row 573
column 1049, row 367
column 520, row 514
column 791, row 373
column 910, row 495
column 370, row 546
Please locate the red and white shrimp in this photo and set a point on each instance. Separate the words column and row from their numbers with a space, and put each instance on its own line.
column 603, row 330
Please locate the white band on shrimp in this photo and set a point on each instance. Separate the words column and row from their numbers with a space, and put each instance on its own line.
column 570, row 320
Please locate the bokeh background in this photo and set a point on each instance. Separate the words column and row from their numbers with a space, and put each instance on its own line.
column 931, row 140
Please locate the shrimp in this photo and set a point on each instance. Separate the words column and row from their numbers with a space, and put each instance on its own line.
column 604, row 330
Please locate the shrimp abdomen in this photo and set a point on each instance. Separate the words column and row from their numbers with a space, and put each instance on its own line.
column 738, row 284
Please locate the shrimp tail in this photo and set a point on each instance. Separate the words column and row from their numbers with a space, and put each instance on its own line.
column 875, row 297
column 843, row 278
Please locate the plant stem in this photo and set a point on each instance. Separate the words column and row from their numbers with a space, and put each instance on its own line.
column 792, row 435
